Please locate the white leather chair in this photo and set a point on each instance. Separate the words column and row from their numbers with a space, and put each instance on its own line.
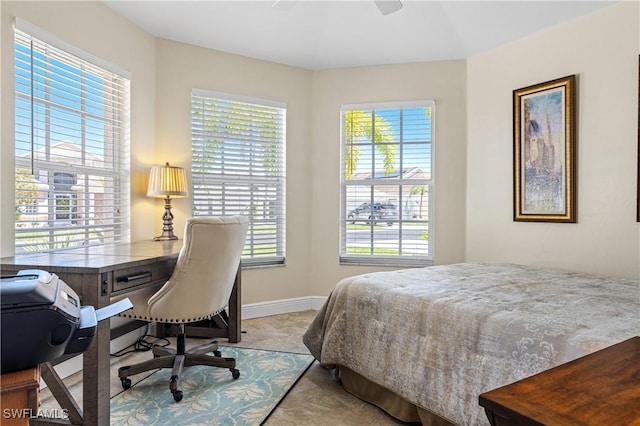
column 199, row 288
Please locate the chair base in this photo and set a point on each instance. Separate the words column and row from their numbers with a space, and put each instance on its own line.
column 212, row 328
column 177, row 359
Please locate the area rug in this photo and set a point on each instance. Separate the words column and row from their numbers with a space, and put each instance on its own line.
column 211, row 396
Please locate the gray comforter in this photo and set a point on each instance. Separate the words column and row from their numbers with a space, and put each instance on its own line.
column 441, row 336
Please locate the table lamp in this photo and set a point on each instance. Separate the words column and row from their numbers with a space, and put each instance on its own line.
column 166, row 182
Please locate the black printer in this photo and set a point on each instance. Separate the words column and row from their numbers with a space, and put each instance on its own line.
column 42, row 320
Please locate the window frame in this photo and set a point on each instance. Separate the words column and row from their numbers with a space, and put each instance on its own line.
column 387, row 260
column 66, row 211
column 258, row 180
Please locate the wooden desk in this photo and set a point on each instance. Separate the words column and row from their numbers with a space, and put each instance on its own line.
column 19, row 396
column 602, row 388
column 97, row 274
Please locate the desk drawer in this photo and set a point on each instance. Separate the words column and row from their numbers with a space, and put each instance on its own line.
column 129, row 278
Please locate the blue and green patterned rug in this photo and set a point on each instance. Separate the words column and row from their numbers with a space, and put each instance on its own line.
column 211, row 396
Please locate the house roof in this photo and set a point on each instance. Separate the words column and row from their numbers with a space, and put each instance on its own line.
column 406, row 173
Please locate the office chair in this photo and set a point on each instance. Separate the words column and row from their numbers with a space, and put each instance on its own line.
column 198, row 288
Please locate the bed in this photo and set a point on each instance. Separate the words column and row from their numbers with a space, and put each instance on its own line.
column 424, row 343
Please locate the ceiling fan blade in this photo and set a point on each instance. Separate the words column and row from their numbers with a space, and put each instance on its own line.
column 283, row 4
column 387, row 7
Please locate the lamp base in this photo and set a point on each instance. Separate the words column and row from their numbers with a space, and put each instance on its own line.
column 165, row 238
column 167, row 222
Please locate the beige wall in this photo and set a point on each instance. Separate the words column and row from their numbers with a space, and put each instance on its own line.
column 602, row 50
column 473, row 107
column 443, row 82
column 313, row 149
column 94, row 28
column 181, row 68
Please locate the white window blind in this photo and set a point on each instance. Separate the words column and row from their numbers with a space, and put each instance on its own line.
column 387, row 184
column 238, row 167
column 72, row 150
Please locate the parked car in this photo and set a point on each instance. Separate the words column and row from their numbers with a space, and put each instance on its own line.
column 379, row 212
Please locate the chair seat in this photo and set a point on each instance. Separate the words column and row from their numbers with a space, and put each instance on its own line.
column 140, row 309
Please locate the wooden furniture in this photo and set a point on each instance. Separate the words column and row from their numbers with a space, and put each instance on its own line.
column 602, row 388
column 19, row 397
column 97, row 274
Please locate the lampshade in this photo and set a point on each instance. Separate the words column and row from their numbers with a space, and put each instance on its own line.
column 167, row 181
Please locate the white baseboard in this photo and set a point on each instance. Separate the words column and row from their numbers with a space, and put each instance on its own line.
column 249, row 311
column 284, row 306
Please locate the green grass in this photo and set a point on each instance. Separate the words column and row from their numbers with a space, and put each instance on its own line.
column 357, row 226
column 264, row 229
column 262, row 250
column 367, row 250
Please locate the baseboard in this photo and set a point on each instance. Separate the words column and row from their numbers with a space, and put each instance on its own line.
column 284, row 306
column 249, row 311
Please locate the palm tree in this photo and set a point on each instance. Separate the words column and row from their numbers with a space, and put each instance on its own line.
column 237, row 122
column 359, row 124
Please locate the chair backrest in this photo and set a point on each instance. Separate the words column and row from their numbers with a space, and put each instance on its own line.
column 205, row 272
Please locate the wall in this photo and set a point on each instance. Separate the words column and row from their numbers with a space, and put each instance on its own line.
column 313, row 149
column 473, row 107
column 181, row 68
column 94, row 28
column 443, row 82
column 602, row 50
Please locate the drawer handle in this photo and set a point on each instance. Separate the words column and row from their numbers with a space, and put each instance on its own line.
column 136, row 276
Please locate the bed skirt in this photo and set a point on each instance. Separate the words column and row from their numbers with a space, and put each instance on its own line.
column 386, row 400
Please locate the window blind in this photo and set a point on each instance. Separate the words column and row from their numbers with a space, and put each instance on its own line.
column 238, row 167
column 387, row 184
column 72, row 150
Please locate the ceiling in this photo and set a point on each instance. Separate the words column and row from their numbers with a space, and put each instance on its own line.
column 320, row 35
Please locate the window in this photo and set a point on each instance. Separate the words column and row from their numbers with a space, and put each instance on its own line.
column 387, row 184
column 72, row 148
column 238, row 167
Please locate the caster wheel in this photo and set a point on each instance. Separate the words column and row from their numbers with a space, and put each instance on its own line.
column 235, row 373
column 217, row 354
column 126, row 383
column 177, row 395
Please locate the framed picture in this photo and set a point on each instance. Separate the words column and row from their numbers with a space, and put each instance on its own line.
column 544, row 152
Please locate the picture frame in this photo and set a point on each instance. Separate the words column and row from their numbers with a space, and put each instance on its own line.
column 544, row 152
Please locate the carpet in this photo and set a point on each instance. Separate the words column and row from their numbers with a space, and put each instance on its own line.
column 211, row 396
